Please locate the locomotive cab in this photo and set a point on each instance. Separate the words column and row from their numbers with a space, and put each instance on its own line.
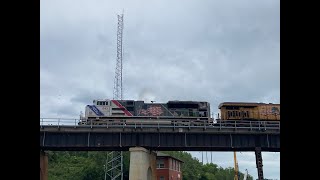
column 97, row 109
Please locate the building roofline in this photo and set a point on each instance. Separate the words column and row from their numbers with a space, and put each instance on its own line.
column 160, row 154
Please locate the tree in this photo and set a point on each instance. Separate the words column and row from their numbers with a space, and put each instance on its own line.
column 90, row 165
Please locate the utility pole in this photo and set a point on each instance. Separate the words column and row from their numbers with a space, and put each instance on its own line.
column 245, row 175
column 236, row 168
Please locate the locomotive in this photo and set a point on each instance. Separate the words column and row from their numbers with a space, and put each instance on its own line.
column 249, row 111
column 104, row 111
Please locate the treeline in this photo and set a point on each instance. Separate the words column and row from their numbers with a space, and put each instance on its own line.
column 90, row 166
column 192, row 169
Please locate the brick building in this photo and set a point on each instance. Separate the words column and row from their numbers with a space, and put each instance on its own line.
column 168, row 167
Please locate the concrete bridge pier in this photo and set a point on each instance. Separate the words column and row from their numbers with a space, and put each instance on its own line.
column 43, row 165
column 142, row 164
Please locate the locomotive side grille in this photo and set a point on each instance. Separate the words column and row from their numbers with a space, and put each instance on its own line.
column 118, row 109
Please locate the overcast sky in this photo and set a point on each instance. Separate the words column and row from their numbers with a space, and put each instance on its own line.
column 205, row 50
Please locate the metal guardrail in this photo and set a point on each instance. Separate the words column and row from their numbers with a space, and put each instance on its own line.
column 162, row 123
column 59, row 122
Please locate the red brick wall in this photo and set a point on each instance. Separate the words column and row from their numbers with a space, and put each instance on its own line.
column 175, row 174
column 168, row 172
column 163, row 172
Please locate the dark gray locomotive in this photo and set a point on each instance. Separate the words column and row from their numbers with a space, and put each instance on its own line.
column 130, row 111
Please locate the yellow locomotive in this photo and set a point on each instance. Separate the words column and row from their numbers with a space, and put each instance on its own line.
column 249, row 111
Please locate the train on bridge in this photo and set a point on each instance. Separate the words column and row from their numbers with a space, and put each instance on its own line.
column 249, row 111
column 180, row 112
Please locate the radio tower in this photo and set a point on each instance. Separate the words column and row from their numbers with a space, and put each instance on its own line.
column 117, row 90
column 114, row 162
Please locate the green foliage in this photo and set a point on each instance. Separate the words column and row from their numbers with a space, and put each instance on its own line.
column 90, row 166
column 193, row 169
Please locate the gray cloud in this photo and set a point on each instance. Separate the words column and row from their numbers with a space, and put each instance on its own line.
column 211, row 51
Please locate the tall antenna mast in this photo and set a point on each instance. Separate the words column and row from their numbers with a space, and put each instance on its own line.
column 117, row 91
column 114, row 162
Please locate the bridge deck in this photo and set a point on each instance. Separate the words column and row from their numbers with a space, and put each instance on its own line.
column 210, row 137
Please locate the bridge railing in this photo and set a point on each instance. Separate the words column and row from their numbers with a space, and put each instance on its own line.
column 162, row 123
column 240, row 124
column 59, row 122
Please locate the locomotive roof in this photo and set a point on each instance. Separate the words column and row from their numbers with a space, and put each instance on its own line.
column 110, row 100
column 173, row 101
column 183, row 102
column 243, row 104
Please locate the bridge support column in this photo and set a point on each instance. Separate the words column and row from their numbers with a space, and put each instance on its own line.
column 259, row 163
column 142, row 164
column 43, row 165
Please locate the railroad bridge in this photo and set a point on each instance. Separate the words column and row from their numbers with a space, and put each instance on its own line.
column 67, row 135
